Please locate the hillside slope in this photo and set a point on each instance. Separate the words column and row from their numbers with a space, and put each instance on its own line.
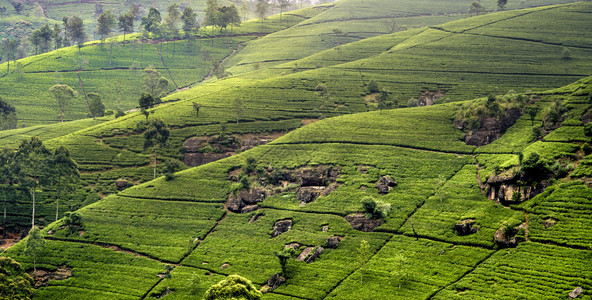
column 191, row 221
column 280, row 99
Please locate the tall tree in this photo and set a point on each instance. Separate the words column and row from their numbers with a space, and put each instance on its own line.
column 173, row 17
column 64, row 172
column 239, row 108
column 62, row 93
column 32, row 157
column 190, row 25
column 34, row 245
column 151, row 22
column 156, row 136
column 501, row 4
column 228, row 15
column 36, row 40
column 211, row 13
column 9, row 48
column 46, row 35
column 106, row 23
column 57, row 36
column 97, row 108
column 66, row 25
column 476, row 8
column 282, row 4
column 126, row 24
column 7, row 171
column 76, row 31
column 154, row 83
column 261, row 9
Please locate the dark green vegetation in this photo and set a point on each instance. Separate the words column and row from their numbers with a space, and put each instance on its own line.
column 184, row 233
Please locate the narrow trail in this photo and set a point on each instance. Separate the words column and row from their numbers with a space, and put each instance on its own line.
column 165, row 66
column 211, row 72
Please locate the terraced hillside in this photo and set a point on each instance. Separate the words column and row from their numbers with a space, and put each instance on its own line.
column 230, row 216
column 281, row 98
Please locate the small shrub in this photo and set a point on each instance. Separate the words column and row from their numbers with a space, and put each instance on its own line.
column 375, row 209
column 586, row 148
column 119, row 113
column 373, row 87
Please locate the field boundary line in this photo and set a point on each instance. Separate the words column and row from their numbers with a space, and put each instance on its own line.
column 373, row 144
column 463, row 275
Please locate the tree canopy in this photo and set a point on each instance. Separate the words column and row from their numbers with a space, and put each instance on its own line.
column 233, row 287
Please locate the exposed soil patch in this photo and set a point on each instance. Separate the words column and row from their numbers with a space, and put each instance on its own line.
column 43, row 277
column 202, row 150
column 428, row 98
column 11, row 238
column 361, row 223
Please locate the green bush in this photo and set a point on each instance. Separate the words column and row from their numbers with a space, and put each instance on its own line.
column 233, row 287
column 375, row 209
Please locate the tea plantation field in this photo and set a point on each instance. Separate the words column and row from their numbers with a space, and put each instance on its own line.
column 415, row 253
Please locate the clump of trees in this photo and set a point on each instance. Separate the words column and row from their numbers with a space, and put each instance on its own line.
column 470, row 115
column 221, row 16
column 32, row 167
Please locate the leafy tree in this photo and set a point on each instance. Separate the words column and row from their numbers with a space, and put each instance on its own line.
column 233, row 287
column 35, row 244
column 284, row 256
column 383, row 98
column 97, row 108
column 15, row 283
column 363, row 253
column 282, row 4
column 501, row 4
column 211, row 13
column 19, row 6
column 126, row 23
column 476, row 8
column 533, row 167
column 196, row 107
column 46, row 34
column 152, row 21
column 9, row 48
column 239, row 108
column 373, row 87
column 7, row 178
column 531, row 111
column 57, row 36
column 146, row 101
column 156, row 135
column 106, row 23
column 190, row 24
column 63, row 173
column 262, row 9
column 227, row 15
column 76, row 31
column 173, row 17
column 154, row 83
column 62, row 93
column 32, row 157
column 8, row 118
column 170, row 168
column 36, row 40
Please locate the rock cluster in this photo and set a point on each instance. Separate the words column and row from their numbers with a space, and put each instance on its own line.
column 281, row 226
column 361, row 223
column 385, row 184
column 466, row 227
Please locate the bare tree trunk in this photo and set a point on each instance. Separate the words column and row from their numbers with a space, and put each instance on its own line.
column 154, row 160
column 4, row 221
column 57, row 205
column 32, row 191
column 111, row 54
column 83, row 91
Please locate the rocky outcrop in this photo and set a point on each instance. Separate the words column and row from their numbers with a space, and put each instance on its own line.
column 305, row 253
column 503, row 240
column 466, row 227
column 310, row 193
column 243, row 199
column 249, row 208
column 549, row 223
column 198, row 159
column 281, row 226
column 121, row 184
column 428, row 98
column 504, row 188
column 490, row 129
column 385, row 184
column 275, row 281
column 315, row 255
column 333, row 242
column 361, row 223
column 576, row 292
